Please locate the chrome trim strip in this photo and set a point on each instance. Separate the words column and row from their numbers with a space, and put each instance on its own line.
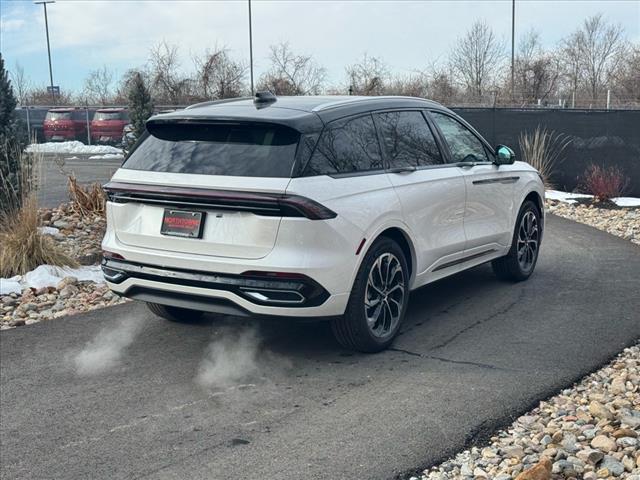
column 503, row 180
column 255, row 293
column 120, row 198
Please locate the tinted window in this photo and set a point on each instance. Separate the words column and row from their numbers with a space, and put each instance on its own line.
column 242, row 150
column 58, row 116
column 464, row 145
column 346, row 146
column 108, row 116
column 407, row 139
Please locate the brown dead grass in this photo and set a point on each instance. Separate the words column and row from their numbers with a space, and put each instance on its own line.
column 86, row 200
column 23, row 247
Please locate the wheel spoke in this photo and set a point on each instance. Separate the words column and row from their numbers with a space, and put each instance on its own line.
column 384, row 294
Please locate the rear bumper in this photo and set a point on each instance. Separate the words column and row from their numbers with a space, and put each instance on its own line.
column 59, row 135
column 218, row 298
column 294, row 291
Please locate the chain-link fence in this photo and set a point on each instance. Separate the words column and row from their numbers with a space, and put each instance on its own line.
column 33, row 117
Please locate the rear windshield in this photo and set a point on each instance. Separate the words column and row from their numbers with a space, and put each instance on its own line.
column 217, row 149
column 108, row 116
column 58, row 116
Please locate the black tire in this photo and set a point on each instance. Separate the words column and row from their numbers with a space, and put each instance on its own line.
column 352, row 330
column 511, row 267
column 175, row 314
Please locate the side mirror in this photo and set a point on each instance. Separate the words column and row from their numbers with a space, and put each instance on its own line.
column 504, row 155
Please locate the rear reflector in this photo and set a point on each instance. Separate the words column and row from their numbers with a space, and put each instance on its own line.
column 112, row 255
column 258, row 203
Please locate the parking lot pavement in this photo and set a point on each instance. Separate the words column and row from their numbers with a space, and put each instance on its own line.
column 53, row 190
column 474, row 353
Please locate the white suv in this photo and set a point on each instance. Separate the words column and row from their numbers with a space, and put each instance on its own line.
column 314, row 207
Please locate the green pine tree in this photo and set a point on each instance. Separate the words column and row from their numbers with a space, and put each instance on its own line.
column 12, row 143
column 140, row 104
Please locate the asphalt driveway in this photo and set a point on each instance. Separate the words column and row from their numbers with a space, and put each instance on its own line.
column 54, row 189
column 473, row 354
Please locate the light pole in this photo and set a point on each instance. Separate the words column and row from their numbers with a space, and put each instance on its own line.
column 46, row 26
column 513, row 43
column 250, row 50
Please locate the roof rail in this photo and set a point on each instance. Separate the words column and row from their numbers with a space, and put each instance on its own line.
column 360, row 98
column 216, row 102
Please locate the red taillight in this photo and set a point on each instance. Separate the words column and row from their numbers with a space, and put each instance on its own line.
column 307, row 207
column 112, row 255
column 257, row 202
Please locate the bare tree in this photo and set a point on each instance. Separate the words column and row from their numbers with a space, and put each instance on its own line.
column 21, row 83
column 536, row 72
column 571, row 63
column 218, row 75
column 626, row 79
column 167, row 82
column 98, row 86
column 477, row 57
column 414, row 85
column 601, row 46
column 292, row 74
column 441, row 85
column 370, row 76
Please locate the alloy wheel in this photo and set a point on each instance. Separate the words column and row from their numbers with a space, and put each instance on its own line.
column 528, row 241
column 384, row 295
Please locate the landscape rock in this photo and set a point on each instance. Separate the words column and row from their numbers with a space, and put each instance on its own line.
column 580, row 445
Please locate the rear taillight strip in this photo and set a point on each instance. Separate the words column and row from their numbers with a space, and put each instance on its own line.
column 258, row 203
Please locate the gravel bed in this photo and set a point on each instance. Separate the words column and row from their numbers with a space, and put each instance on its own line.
column 69, row 297
column 586, row 432
column 80, row 238
column 622, row 222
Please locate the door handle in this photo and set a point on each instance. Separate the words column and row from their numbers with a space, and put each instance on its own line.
column 406, row 169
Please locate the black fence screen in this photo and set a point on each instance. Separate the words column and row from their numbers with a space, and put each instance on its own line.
column 597, row 136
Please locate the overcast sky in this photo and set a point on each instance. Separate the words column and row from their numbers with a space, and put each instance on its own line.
column 86, row 35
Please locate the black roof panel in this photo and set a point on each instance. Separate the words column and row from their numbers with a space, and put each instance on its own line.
column 304, row 113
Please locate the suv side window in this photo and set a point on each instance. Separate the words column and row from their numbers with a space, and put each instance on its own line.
column 463, row 144
column 346, row 146
column 407, row 139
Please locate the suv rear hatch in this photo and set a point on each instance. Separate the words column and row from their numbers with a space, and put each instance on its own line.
column 215, row 188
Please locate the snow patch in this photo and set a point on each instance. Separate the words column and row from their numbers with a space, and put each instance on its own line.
column 10, row 285
column 565, row 197
column 72, row 148
column 49, row 276
column 107, row 156
column 626, row 201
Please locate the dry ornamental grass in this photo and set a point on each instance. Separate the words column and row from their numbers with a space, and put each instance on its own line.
column 86, row 200
column 22, row 246
column 542, row 150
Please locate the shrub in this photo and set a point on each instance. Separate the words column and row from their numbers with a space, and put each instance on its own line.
column 12, row 143
column 22, row 246
column 542, row 150
column 140, row 103
column 604, row 183
column 89, row 200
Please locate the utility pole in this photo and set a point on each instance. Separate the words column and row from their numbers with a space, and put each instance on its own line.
column 251, row 50
column 513, row 45
column 46, row 26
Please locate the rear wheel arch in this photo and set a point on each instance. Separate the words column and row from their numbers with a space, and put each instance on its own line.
column 403, row 241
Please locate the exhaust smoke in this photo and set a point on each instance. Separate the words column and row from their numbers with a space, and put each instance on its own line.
column 104, row 352
column 229, row 359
